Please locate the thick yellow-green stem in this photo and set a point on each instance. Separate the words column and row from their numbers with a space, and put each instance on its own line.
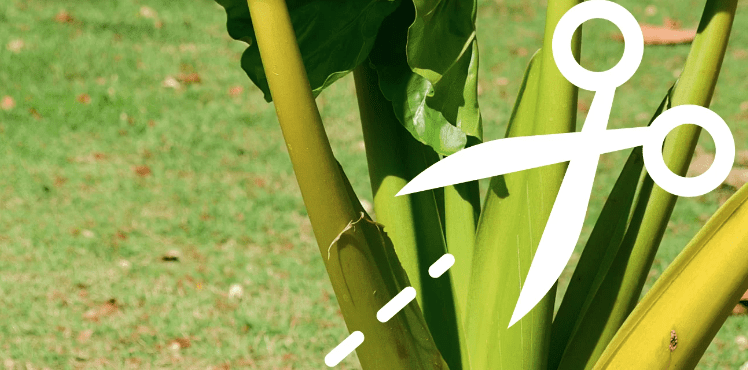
column 623, row 284
column 412, row 221
column 359, row 258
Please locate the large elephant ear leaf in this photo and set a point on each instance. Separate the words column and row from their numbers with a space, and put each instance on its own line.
column 334, row 36
column 442, row 48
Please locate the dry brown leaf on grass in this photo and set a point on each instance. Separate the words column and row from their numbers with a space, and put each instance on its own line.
column 737, row 178
column 671, row 24
column 142, row 171
column 740, row 308
column 703, row 160
column 744, row 298
column 741, row 158
column 179, row 343
column 35, row 113
column 64, row 17
column 236, row 90
column 109, row 308
column 223, row 366
column 663, row 35
column 700, row 163
column 7, row 103
column 189, row 78
column 60, row 180
column 248, row 362
column 520, row 52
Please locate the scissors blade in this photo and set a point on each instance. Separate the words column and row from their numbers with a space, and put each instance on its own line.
column 498, row 157
column 560, row 236
column 567, row 216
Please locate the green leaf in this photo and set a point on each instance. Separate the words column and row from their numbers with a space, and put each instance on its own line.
column 443, row 30
column 358, row 255
column 439, row 112
column 600, row 250
column 677, row 319
column 620, row 290
column 409, row 91
column 502, row 248
column 455, row 95
column 515, row 213
column 461, row 214
column 333, row 36
column 442, row 48
column 413, row 220
column 406, row 341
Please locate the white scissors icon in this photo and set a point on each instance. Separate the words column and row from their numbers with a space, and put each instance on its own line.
column 583, row 149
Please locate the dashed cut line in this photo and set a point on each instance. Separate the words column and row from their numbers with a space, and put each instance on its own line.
column 344, row 349
column 441, row 265
column 396, row 304
column 388, row 311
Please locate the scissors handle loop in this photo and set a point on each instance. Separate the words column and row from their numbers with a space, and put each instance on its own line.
column 632, row 52
column 723, row 159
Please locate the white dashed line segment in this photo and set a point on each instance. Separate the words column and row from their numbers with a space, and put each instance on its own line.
column 396, row 304
column 344, row 349
column 387, row 312
column 441, row 265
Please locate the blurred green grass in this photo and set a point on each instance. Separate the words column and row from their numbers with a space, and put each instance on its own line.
column 106, row 171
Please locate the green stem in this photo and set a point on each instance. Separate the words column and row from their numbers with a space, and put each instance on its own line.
column 496, row 266
column 556, row 112
column 439, row 305
column 621, row 289
column 412, row 221
column 462, row 209
column 600, row 250
column 515, row 212
column 359, row 258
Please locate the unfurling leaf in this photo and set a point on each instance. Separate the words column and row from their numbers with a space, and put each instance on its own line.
column 438, row 109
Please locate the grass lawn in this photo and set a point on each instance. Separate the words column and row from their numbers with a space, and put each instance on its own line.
column 150, row 220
